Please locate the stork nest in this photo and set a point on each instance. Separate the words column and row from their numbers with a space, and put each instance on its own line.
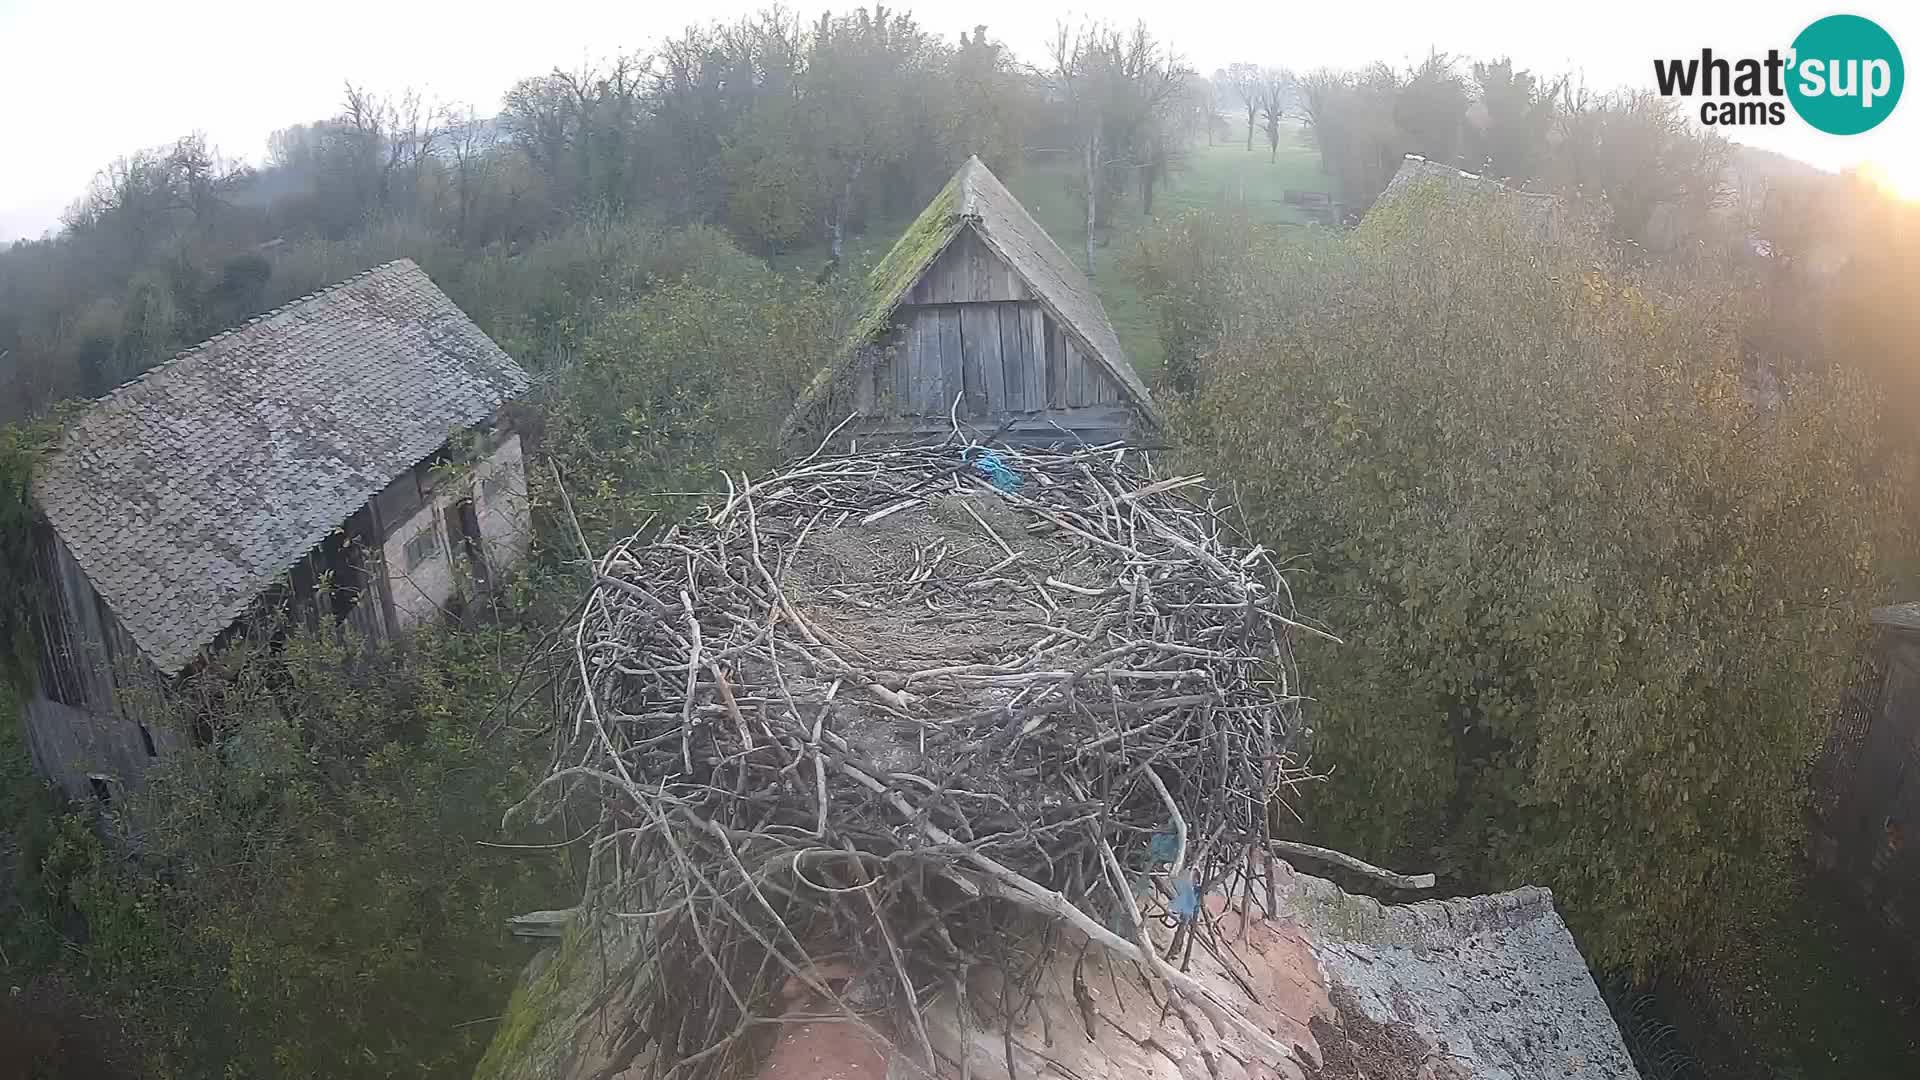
column 873, row 721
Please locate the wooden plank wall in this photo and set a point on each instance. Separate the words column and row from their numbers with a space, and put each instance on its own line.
column 91, row 711
column 971, row 328
column 967, row 272
column 1003, row 358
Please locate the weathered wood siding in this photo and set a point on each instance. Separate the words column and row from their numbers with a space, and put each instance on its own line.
column 967, row 272
column 1000, row 357
column 971, row 329
column 90, row 722
column 89, row 715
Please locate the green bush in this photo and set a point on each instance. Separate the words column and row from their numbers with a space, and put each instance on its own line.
column 1597, row 594
column 691, row 379
column 1191, row 269
column 305, row 892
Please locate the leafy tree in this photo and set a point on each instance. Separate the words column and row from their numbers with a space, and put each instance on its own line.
column 1193, row 271
column 1636, row 153
column 989, row 103
column 1430, row 108
column 859, row 94
column 1566, row 546
column 1509, row 123
column 773, row 198
column 692, row 379
column 1355, row 125
column 1116, row 93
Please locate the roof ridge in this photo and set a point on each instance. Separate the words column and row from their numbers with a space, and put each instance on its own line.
column 200, row 346
column 1500, row 182
column 969, row 186
column 1425, row 923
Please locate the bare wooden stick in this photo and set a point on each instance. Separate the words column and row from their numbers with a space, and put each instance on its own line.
column 1346, row 861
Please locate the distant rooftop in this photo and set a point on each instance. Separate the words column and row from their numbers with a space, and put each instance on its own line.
column 1535, row 209
column 1897, row 616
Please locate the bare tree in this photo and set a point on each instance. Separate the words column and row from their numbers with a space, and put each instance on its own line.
column 470, row 141
column 1242, row 81
column 1079, row 64
column 1202, row 108
column 1275, row 89
column 393, row 137
column 1120, row 91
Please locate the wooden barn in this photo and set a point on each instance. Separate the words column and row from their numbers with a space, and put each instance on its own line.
column 977, row 316
column 346, row 455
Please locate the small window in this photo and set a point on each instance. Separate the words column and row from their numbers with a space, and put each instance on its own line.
column 102, row 789
column 424, row 546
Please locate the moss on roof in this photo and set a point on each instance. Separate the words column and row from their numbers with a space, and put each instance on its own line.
column 890, row 279
column 975, row 198
column 916, row 249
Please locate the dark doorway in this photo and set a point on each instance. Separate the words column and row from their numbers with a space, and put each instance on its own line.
column 466, row 523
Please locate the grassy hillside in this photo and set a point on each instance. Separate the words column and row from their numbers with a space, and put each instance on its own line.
column 1222, row 174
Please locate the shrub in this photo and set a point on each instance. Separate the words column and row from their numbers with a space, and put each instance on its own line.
column 692, row 379
column 1597, row 594
column 307, row 894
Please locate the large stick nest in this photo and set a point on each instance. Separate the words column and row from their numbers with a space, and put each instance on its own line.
column 875, row 714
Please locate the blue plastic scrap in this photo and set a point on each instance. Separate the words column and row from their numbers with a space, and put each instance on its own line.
column 1186, row 898
column 997, row 472
column 1164, row 847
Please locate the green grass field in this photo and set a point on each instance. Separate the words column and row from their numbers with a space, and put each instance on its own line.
column 1225, row 174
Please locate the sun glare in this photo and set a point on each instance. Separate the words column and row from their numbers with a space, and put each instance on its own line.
column 1899, row 177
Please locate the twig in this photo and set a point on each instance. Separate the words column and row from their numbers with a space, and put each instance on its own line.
column 1342, row 859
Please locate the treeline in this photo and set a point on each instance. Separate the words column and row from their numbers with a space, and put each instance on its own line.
column 786, row 134
column 1632, row 152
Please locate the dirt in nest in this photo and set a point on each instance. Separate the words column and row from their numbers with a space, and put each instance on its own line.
column 851, row 584
column 1354, row 1046
column 850, row 581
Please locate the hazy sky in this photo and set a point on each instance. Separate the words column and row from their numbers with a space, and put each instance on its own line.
column 83, row 82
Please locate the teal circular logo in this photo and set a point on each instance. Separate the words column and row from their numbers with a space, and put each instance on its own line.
column 1846, row 75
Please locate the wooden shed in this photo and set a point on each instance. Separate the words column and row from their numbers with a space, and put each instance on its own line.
column 977, row 316
column 346, row 455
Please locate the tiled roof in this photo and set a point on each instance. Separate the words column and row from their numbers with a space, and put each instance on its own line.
column 184, row 493
column 1489, row 987
column 1533, row 210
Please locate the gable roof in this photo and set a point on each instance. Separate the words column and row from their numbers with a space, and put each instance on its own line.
column 975, row 198
column 184, row 493
column 1531, row 209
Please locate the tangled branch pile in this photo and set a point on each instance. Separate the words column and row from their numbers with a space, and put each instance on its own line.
column 908, row 712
